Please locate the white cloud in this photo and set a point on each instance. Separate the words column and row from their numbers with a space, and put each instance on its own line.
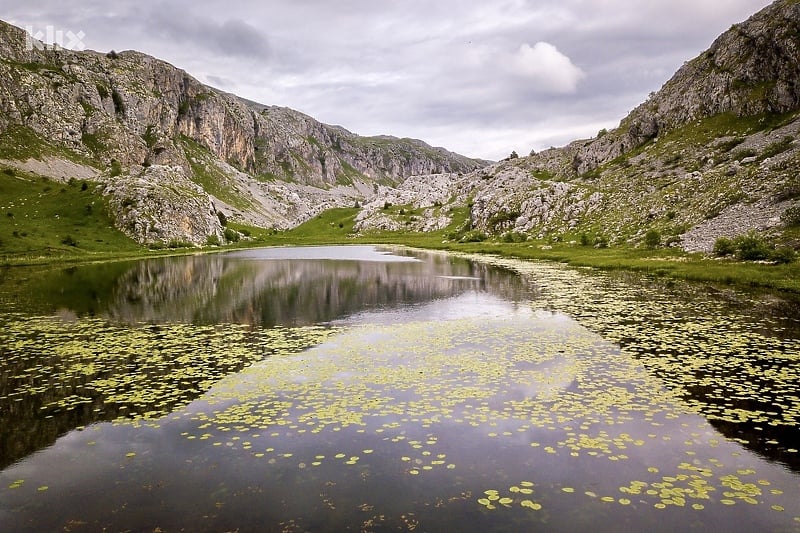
column 451, row 72
column 544, row 65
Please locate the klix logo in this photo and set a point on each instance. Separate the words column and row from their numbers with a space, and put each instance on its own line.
column 53, row 39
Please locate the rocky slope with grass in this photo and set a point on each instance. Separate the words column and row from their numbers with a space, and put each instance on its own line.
column 715, row 153
column 158, row 137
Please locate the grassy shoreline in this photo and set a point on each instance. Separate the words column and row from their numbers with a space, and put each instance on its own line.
column 335, row 227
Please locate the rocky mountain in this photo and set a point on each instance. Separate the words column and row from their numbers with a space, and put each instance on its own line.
column 714, row 153
column 173, row 153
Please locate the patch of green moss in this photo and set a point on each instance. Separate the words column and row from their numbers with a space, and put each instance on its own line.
column 348, row 174
column 20, row 143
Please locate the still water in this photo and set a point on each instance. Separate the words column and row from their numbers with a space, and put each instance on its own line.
column 355, row 388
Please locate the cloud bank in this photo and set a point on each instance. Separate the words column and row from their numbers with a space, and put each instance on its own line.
column 482, row 79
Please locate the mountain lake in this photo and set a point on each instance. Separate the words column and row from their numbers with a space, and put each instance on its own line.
column 360, row 388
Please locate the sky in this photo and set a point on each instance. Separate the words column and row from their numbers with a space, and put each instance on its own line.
column 478, row 78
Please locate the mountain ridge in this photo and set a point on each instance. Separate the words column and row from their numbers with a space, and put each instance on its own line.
column 139, row 120
column 712, row 154
column 709, row 155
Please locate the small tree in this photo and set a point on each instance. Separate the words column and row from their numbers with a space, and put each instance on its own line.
column 652, row 239
column 514, row 155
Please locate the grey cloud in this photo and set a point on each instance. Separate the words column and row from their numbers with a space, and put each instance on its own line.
column 439, row 71
column 232, row 37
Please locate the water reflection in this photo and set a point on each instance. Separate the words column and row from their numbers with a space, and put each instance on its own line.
column 265, row 288
column 446, row 361
column 50, row 367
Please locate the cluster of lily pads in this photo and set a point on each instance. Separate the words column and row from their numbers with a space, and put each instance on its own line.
column 426, row 398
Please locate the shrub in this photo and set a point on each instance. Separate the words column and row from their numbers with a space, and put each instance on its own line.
column 9, row 172
column 514, row 236
column 179, row 243
column 222, row 219
column 212, row 240
column 231, row 235
column 69, row 241
column 119, row 104
column 791, row 217
column 112, row 55
column 386, row 205
column 751, row 247
column 102, row 90
column 150, row 137
column 585, row 240
column 474, row 236
column 783, row 255
column 744, row 154
column 116, row 168
column 601, row 242
column 652, row 238
column 183, row 107
column 724, row 247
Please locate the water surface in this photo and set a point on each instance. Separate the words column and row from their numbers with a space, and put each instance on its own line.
column 336, row 388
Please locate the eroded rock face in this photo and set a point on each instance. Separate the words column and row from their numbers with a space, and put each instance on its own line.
column 751, row 69
column 161, row 204
column 126, row 110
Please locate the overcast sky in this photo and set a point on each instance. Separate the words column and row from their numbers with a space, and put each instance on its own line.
column 479, row 78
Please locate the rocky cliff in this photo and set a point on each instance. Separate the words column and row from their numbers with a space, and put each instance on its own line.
column 713, row 154
column 128, row 118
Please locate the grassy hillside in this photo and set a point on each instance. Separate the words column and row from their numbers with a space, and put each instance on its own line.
column 334, row 227
column 46, row 218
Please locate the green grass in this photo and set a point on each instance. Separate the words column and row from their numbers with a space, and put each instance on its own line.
column 47, row 221
column 334, row 226
column 43, row 218
column 657, row 262
column 206, row 174
column 20, row 143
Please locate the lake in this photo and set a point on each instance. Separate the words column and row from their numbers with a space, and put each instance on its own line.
column 379, row 389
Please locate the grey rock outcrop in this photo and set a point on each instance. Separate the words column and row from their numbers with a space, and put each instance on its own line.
column 161, row 204
column 124, row 110
column 712, row 154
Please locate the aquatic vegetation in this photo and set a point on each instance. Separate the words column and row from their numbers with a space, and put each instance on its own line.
column 100, row 371
column 596, row 400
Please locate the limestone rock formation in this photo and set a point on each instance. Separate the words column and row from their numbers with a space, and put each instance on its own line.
column 121, row 111
column 713, row 154
column 160, row 204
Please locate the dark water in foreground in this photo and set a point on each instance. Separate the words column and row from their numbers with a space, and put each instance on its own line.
column 344, row 388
